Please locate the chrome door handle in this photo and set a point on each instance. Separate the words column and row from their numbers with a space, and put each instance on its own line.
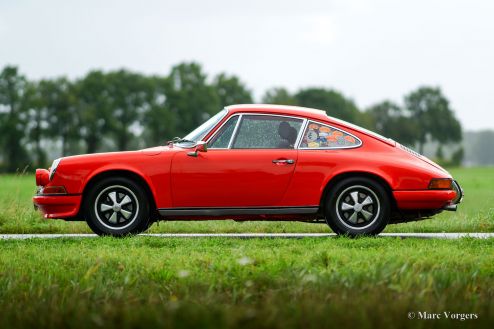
column 281, row 161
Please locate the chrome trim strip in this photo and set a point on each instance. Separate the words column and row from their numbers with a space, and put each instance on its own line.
column 459, row 193
column 234, row 131
column 196, row 211
column 330, row 147
column 273, row 115
column 299, row 136
column 54, row 194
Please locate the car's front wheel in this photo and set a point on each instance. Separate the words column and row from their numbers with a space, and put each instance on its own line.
column 117, row 206
column 357, row 206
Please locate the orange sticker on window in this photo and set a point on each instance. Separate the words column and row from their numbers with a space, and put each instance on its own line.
column 350, row 139
column 313, row 126
column 324, row 129
column 337, row 133
column 331, row 138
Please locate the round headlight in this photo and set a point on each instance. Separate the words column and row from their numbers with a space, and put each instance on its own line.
column 42, row 177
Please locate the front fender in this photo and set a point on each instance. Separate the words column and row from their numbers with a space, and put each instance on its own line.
column 119, row 168
column 74, row 173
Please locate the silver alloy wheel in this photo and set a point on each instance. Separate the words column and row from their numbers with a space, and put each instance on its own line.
column 357, row 207
column 116, row 207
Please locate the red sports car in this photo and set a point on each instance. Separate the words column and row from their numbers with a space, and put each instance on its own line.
column 252, row 162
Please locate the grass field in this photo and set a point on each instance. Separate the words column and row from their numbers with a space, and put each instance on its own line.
column 146, row 282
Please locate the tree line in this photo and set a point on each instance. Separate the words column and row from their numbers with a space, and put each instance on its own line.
column 121, row 110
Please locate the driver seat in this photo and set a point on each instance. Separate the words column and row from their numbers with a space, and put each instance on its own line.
column 288, row 136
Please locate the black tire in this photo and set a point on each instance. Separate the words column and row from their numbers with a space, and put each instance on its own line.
column 117, row 206
column 357, row 206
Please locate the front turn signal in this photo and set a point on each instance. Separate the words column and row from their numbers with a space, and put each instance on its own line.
column 441, row 184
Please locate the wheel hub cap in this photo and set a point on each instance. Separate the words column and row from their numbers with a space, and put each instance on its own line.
column 357, row 207
column 116, row 207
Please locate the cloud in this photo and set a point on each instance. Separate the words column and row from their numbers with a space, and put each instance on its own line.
column 319, row 30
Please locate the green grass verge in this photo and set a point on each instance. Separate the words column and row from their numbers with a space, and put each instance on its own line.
column 252, row 283
column 475, row 214
column 146, row 282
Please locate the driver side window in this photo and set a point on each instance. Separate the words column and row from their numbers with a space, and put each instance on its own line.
column 266, row 132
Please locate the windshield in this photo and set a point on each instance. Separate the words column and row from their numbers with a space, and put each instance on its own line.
column 201, row 131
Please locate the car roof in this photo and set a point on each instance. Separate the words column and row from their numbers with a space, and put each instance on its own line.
column 307, row 112
column 279, row 109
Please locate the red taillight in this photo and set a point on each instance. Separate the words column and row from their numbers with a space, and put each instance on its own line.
column 441, row 184
column 54, row 190
column 42, row 177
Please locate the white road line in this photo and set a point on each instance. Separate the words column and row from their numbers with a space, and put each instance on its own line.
column 254, row 235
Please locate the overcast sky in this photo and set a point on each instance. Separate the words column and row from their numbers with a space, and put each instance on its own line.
column 369, row 50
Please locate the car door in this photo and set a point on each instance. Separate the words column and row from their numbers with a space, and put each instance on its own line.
column 249, row 163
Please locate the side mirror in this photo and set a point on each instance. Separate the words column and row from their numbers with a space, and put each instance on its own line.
column 200, row 147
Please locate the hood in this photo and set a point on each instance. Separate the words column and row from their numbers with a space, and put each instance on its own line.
column 122, row 155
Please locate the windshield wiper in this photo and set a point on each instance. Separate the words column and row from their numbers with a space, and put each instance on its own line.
column 179, row 140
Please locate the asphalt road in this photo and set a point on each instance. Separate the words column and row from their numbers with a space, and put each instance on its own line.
column 254, row 235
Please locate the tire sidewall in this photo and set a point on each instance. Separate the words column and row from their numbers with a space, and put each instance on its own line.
column 140, row 223
column 336, row 224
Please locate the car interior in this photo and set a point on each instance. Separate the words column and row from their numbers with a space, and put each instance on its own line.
column 288, row 135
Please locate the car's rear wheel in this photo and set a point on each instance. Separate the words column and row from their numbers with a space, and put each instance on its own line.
column 357, row 206
column 117, row 206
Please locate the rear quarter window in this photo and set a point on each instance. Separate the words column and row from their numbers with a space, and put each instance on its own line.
column 318, row 135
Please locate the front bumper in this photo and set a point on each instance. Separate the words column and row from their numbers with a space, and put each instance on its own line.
column 429, row 199
column 58, row 206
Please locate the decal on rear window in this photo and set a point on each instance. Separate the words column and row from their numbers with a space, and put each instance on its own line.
column 318, row 135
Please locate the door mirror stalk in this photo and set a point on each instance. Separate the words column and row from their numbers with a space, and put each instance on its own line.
column 199, row 147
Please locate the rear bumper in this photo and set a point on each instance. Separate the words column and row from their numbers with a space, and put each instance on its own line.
column 425, row 199
column 459, row 193
column 58, row 206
